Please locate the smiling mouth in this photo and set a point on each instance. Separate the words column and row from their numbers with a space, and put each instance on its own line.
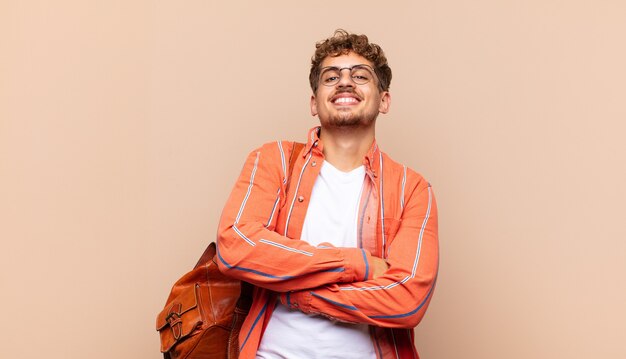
column 345, row 101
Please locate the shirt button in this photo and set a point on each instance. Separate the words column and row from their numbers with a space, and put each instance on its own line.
column 313, row 164
column 301, row 199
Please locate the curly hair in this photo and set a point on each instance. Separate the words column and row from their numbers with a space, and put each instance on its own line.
column 342, row 43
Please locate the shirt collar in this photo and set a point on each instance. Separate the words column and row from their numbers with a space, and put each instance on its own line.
column 371, row 159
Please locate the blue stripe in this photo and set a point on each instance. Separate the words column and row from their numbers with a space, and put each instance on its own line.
column 243, row 269
column 409, row 313
column 250, row 270
column 334, row 270
column 288, row 299
column 335, row 303
column 253, row 325
column 222, row 259
column 367, row 265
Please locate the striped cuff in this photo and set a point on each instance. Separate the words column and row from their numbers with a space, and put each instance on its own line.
column 298, row 300
column 357, row 265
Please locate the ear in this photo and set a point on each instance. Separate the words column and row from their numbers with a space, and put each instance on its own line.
column 313, row 106
column 385, row 102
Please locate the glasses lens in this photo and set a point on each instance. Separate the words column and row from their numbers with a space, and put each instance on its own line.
column 330, row 76
column 361, row 75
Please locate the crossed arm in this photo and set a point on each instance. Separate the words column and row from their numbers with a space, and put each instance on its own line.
column 347, row 284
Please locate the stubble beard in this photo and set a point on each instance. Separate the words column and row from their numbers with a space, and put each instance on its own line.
column 347, row 119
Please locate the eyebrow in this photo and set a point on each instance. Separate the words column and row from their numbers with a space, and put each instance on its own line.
column 345, row 67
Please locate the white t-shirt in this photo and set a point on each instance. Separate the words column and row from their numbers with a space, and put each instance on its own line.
column 332, row 218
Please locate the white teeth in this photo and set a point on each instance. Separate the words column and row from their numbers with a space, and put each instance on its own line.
column 346, row 100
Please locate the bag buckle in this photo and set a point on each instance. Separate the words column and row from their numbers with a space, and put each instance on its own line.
column 175, row 321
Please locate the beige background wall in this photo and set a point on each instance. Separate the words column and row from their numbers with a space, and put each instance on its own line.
column 123, row 125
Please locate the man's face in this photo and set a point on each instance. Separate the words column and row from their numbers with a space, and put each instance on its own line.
column 346, row 103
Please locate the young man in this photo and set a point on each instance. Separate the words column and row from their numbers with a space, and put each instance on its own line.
column 344, row 264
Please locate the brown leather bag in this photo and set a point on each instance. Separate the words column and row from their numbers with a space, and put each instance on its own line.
column 205, row 309
column 204, row 313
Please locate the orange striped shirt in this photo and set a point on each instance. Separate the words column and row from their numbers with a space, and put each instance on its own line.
column 258, row 242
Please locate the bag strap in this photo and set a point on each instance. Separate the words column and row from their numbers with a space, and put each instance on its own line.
column 297, row 148
column 210, row 250
column 208, row 254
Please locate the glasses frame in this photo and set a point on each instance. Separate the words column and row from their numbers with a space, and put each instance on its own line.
column 351, row 68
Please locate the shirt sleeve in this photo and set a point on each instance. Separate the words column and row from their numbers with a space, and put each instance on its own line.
column 249, row 248
column 398, row 298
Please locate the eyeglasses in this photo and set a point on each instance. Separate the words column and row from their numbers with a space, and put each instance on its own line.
column 360, row 74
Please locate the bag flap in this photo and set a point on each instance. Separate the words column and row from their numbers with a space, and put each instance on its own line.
column 179, row 318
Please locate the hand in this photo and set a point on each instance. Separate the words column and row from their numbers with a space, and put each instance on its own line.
column 378, row 267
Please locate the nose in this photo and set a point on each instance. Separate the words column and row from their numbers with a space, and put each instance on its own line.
column 345, row 79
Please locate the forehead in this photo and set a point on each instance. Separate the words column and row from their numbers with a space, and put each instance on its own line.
column 346, row 60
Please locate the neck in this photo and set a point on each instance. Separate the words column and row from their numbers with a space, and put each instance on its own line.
column 345, row 148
